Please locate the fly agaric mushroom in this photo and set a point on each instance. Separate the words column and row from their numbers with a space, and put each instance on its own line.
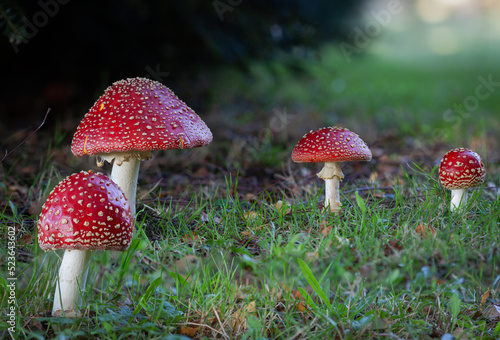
column 331, row 145
column 460, row 169
column 133, row 117
column 86, row 211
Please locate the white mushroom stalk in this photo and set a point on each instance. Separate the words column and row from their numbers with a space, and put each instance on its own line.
column 458, row 198
column 125, row 172
column 332, row 175
column 71, row 281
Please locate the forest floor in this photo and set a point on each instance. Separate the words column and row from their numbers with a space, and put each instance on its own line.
column 232, row 241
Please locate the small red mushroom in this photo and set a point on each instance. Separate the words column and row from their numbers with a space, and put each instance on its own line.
column 86, row 211
column 460, row 169
column 331, row 145
column 132, row 118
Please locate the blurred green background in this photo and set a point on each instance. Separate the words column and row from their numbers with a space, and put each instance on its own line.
column 420, row 74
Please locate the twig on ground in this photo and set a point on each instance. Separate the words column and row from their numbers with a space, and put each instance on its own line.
column 220, row 323
column 29, row 136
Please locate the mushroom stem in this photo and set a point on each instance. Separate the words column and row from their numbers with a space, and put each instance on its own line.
column 458, row 198
column 125, row 175
column 332, row 175
column 71, row 282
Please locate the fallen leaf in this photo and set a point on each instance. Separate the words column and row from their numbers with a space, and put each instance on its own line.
column 392, row 246
column 250, row 215
column 189, row 331
column 301, row 307
column 439, row 282
column 206, row 218
column 279, row 205
column 425, row 231
column 250, row 232
column 296, row 294
column 191, row 239
column 325, row 230
column 485, row 296
column 477, row 315
column 251, row 197
column 311, row 256
column 492, row 312
column 26, row 239
column 251, row 307
column 239, row 318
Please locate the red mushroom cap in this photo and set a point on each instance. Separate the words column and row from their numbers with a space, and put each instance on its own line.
column 139, row 114
column 86, row 211
column 461, row 168
column 331, row 144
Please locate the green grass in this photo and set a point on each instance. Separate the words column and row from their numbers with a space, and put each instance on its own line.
column 230, row 267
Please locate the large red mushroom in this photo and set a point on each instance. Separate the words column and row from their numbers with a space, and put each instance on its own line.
column 331, row 145
column 86, row 211
column 460, row 169
column 132, row 118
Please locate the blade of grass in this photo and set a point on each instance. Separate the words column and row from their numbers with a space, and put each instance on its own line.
column 314, row 283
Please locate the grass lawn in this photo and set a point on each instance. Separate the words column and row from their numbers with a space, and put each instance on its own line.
column 231, row 241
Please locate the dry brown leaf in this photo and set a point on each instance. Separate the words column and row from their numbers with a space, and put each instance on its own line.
column 250, row 215
column 238, row 321
column 392, row 246
column 251, row 197
column 189, row 331
column 296, row 294
column 250, row 232
column 492, row 312
column 251, row 307
column 204, row 217
column 26, row 239
column 275, row 293
column 301, row 306
column 425, row 231
column 239, row 318
column 477, row 315
column 279, row 205
column 191, row 239
column 312, row 256
column 485, row 296
column 325, row 229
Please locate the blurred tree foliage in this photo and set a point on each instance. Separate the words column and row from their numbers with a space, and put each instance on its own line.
column 189, row 30
column 62, row 52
